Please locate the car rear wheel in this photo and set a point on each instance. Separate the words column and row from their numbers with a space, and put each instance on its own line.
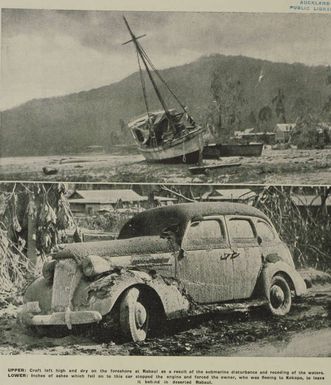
column 134, row 315
column 280, row 298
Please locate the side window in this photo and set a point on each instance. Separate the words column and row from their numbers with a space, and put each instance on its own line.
column 240, row 229
column 204, row 234
column 264, row 231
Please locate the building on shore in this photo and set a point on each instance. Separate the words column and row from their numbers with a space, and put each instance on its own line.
column 95, row 201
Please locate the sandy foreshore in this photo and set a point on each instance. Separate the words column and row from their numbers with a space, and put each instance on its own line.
column 290, row 166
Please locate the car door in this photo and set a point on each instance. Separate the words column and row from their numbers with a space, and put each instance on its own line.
column 247, row 257
column 203, row 264
column 272, row 248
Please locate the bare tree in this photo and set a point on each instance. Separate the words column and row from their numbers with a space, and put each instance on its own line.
column 278, row 100
column 265, row 116
column 229, row 99
column 326, row 110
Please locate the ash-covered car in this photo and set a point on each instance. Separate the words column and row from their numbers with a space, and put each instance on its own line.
column 168, row 262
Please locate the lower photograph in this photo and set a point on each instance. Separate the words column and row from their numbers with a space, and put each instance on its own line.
column 173, row 270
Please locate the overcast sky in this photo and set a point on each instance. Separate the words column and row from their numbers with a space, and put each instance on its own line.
column 47, row 53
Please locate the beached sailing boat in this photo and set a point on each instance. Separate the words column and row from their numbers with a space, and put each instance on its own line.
column 167, row 135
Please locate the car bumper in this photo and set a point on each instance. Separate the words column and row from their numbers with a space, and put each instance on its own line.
column 67, row 317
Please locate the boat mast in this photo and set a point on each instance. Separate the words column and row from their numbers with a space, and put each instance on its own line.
column 142, row 54
column 163, row 81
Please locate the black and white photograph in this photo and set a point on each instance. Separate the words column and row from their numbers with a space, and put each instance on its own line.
column 171, row 270
column 165, row 97
column 165, row 192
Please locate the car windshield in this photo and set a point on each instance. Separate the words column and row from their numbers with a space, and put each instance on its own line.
column 154, row 222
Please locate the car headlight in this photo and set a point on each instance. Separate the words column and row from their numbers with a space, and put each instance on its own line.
column 94, row 265
column 48, row 270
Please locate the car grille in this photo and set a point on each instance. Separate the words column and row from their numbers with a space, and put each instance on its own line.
column 66, row 278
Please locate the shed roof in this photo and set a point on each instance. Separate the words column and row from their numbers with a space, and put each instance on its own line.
column 242, row 193
column 105, row 196
column 165, row 199
column 309, row 200
column 285, row 126
column 229, row 194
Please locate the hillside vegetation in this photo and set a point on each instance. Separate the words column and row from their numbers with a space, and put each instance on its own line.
column 68, row 124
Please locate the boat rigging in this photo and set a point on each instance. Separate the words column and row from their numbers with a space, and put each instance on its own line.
column 166, row 135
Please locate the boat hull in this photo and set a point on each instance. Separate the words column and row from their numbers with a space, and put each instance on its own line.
column 184, row 150
column 236, row 149
column 251, row 149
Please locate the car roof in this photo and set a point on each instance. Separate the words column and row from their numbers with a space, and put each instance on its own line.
column 154, row 220
column 191, row 210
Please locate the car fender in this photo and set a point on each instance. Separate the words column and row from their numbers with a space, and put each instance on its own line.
column 104, row 293
column 37, row 299
column 280, row 267
column 40, row 291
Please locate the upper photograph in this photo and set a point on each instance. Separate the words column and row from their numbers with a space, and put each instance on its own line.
column 165, row 97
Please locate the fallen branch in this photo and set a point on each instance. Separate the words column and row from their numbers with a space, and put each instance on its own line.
column 164, row 188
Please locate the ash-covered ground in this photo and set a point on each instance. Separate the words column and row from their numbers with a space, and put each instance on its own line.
column 304, row 332
column 291, row 166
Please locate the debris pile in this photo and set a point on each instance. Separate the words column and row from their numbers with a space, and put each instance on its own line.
column 14, row 269
column 306, row 229
column 33, row 221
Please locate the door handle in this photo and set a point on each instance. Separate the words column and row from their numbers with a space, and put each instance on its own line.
column 225, row 256
column 235, row 254
column 182, row 254
column 231, row 255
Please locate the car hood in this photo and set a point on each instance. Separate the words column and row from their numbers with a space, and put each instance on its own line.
column 116, row 248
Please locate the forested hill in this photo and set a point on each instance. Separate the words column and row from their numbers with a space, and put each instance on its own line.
column 70, row 123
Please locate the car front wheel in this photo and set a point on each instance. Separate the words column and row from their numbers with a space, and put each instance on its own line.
column 134, row 315
column 280, row 299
